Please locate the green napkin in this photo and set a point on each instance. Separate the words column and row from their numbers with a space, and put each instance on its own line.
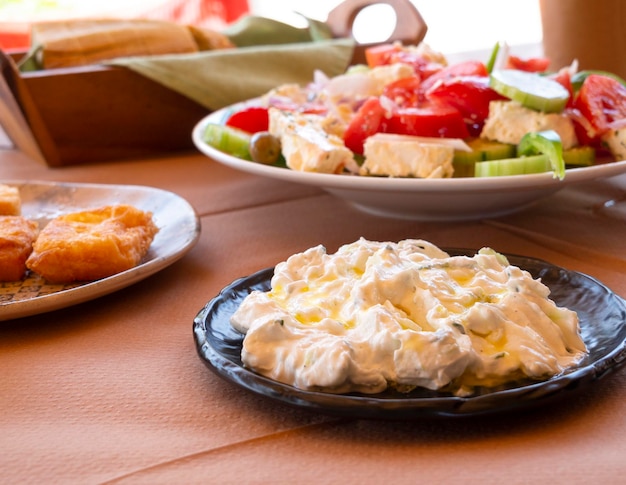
column 216, row 79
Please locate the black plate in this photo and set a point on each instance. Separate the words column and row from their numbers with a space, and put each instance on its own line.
column 602, row 317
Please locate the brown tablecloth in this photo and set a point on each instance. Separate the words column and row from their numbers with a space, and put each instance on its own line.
column 113, row 391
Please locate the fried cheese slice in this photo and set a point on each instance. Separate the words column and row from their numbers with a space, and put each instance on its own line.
column 10, row 201
column 17, row 235
column 93, row 244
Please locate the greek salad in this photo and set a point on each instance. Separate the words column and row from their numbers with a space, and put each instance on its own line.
column 408, row 113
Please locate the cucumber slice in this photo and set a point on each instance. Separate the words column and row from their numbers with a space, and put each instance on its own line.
column 228, row 139
column 513, row 166
column 546, row 142
column 582, row 156
column 530, row 89
column 481, row 150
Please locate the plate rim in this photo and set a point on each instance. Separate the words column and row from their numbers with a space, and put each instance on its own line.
column 14, row 310
column 455, row 406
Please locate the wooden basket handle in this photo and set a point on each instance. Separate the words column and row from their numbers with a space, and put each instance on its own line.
column 410, row 27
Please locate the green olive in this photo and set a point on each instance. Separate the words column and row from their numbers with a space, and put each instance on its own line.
column 264, row 148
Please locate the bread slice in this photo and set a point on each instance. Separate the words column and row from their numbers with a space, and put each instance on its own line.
column 80, row 42
column 209, row 39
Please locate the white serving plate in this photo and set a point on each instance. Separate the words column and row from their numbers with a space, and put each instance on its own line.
column 179, row 230
column 418, row 199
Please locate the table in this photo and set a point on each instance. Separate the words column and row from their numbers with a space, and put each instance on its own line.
column 113, row 391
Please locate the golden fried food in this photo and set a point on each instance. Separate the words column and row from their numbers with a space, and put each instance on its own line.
column 93, row 244
column 17, row 235
column 10, row 202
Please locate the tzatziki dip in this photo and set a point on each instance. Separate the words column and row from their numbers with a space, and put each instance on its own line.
column 403, row 315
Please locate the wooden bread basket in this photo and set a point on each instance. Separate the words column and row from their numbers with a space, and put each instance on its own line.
column 96, row 113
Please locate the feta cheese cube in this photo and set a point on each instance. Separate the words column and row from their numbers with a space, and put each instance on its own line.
column 306, row 146
column 406, row 156
column 509, row 121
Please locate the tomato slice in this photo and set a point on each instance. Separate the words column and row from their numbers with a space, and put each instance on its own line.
column 381, row 55
column 429, row 119
column 405, row 92
column 602, row 101
column 564, row 78
column 533, row 64
column 471, row 95
column 252, row 119
column 366, row 122
column 467, row 68
column 386, row 54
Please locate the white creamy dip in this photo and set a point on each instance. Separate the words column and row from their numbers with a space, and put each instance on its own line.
column 406, row 314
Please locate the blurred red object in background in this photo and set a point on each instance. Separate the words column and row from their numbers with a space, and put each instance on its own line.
column 13, row 38
column 201, row 12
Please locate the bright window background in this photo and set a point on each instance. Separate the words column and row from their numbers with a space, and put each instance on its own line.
column 29, row 10
column 453, row 25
